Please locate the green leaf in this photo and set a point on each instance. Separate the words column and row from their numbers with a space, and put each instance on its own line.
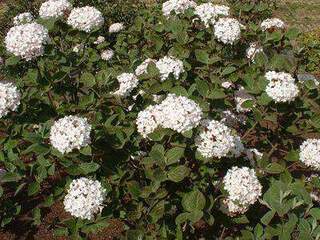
column 90, row 167
column 10, row 177
column 202, row 56
column 194, row 200
column 202, row 87
column 13, row 60
column 33, row 188
column 174, row 155
column 292, row 33
column 274, row 168
column 266, row 219
column 177, row 174
column 157, row 211
column 228, row 70
column 315, row 212
column 88, row 79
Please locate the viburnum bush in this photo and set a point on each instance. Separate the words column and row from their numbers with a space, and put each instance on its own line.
column 190, row 123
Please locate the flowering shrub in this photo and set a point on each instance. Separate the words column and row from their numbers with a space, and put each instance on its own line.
column 189, row 123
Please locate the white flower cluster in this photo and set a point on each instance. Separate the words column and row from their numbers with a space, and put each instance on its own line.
column 127, row 81
column 27, row 40
column 70, row 132
column 177, row 6
column 85, row 198
column 243, row 188
column 9, row 98
column 209, row 12
column 240, row 97
column 85, row 18
column 253, row 50
column 281, row 86
column 168, row 65
column 116, row 27
column 22, row 18
column 227, row 30
column 310, row 153
column 54, row 8
column 143, row 67
column 175, row 112
column 216, row 140
column 107, row 54
column 100, row 39
column 272, row 23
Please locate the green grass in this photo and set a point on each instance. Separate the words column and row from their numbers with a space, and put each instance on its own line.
column 304, row 14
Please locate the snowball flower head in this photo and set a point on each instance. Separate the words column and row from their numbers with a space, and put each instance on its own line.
column 70, row 132
column 310, row 153
column 281, row 86
column 227, row 30
column 22, row 18
column 179, row 113
column 127, row 81
column 168, row 65
column 270, row 23
column 243, row 187
column 240, row 97
column 143, row 67
column 208, row 12
column 107, row 54
column 177, row 6
column 175, row 112
column 147, row 121
column 216, row 140
column 116, row 27
column 85, row 198
column 9, row 98
column 85, row 18
column 253, row 50
column 54, row 8
column 27, row 40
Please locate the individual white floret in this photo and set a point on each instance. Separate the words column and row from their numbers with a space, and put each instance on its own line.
column 69, row 133
column 281, row 86
column 85, row 198
column 27, row 40
column 127, row 82
column 227, row 30
column 272, row 23
column 253, row 50
column 209, row 12
column 227, row 84
column 168, row 65
column 107, row 54
column 310, row 153
column 177, row 6
column 23, row 18
column 240, row 97
column 9, row 98
column 242, row 186
column 77, row 48
column 54, row 8
column 85, row 18
column 216, row 140
column 143, row 67
column 179, row 113
column 116, row 27
column 100, row 39
column 253, row 153
column 147, row 121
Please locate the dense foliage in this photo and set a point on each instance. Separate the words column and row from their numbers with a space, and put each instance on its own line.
column 74, row 138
